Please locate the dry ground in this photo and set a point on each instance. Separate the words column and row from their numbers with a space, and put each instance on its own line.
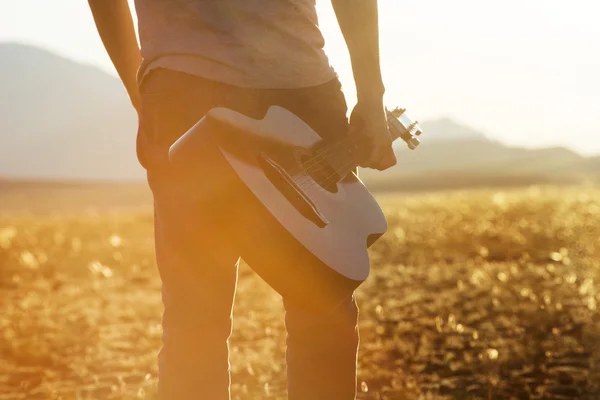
column 474, row 294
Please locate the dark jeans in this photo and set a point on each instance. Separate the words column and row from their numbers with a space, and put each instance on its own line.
column 199, row 268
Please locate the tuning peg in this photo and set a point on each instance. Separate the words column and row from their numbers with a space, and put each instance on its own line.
column 393, row 112
column 413, row 143
column 418, row 130
column 412, row 126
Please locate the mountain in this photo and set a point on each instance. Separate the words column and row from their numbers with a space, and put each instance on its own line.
column 63, row 120
column 446, row 130
column 452, row 155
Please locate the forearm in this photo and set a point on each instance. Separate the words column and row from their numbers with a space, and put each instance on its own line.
column 359, row 23
column 115, row 26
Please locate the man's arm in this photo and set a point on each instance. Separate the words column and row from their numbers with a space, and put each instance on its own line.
column 115, row 26
column 359, row 23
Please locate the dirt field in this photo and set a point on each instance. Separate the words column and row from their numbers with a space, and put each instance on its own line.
column 473, row 295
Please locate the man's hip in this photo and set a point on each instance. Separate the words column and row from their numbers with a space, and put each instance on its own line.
column 172, row 102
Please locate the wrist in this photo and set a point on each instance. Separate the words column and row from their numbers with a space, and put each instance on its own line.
column 370, row 94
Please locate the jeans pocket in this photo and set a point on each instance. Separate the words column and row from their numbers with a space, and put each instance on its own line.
column 157, row 124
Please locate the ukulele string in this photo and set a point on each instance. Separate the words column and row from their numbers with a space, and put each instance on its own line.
column 321, row 155
column 317, row 160
column 333, row 178
column 307, row 178
column 392, row 120
column 392, row 125
column 308, row 181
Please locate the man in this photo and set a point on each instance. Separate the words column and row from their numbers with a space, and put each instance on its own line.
column 245, row 55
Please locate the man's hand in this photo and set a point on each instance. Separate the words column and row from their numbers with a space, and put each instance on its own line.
column 369, row 119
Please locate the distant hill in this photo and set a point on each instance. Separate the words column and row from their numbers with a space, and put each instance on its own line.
column 452, row 155
column 446, row 130
column 63, row 120
column 477, row 162
column 60, row 119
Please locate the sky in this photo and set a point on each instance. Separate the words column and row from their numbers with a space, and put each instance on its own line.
column 524, row 72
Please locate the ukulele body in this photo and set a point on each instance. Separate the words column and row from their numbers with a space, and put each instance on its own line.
column 303, row 231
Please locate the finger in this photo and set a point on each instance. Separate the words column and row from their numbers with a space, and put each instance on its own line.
column 387, row 158
column 375, row 157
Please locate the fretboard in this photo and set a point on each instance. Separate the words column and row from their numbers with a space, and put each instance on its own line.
column 342, row 156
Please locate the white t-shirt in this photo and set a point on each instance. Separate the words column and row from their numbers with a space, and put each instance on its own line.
column 264, row 44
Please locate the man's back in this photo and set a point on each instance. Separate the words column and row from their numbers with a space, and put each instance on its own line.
column 248, row 47
column 247, row 43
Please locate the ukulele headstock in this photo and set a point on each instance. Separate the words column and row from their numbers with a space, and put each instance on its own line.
column 401, row 126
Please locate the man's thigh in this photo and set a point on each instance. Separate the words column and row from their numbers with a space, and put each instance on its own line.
column 196, row 263
column 172, row 102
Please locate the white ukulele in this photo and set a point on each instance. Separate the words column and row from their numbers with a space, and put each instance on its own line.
column 303, row 220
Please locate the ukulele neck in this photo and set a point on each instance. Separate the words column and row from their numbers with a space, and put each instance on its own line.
column 343, row 154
